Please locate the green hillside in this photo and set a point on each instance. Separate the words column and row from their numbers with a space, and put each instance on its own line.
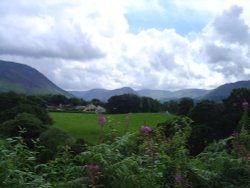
column 21, row 78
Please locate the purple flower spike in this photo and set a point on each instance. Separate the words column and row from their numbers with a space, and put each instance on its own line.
column 178, row 179
column 245, row 105
column 101, row 120
column 146, row 130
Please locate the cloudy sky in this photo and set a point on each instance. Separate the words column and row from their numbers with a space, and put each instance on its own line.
column 156, row 44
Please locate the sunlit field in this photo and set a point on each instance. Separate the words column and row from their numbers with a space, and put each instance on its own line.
column 86, row 126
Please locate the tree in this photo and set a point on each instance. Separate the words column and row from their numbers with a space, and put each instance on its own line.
column 234, row 101
column 97, row 102
column 149, row 105
column 76, row 101
column 185, row 106
column 207, row 124
column 52, row 139
column 171, row 106
column 55, row 99
column 233, row 108
column 37, row 111
column 123, row 104
column 206, row 112
column 10, row 100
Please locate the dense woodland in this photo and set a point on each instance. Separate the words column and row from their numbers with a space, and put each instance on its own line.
column 207, row 144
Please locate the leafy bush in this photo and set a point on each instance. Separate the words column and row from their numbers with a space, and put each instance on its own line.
column 37, row 111
column 53, row 139
column 18, row 166
column 30, row 126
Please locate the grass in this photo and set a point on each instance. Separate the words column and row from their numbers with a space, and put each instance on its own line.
column 80, row 125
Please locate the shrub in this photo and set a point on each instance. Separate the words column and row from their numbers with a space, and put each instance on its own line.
column 30, row 126
column 53, row 140
column 37, row 111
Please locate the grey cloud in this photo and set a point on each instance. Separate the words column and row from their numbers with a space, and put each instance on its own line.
column 228, row 61
column 231, row 27
column 217, row 53
column 229, row 57
column 163, row 60
column 62, row 39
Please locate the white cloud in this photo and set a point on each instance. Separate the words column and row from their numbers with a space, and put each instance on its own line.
column 87, row 44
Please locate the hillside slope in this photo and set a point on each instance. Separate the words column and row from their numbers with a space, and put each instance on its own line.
column 223, row 91
column 24, row 79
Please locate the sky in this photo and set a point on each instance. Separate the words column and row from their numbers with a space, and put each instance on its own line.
column 153, row 44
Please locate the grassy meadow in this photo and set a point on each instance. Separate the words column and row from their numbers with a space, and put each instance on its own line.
column 80, row 125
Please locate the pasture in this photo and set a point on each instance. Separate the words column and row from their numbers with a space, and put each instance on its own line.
column 81, row 125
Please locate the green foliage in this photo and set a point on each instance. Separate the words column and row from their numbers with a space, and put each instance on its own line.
column 133, row 160
column 10, row 100
column 31, row 127
column 245, row 139
column 129, row 103
column 12, row 104
column 185, row 106
column 216, row 167
column 53, row 139
column 206, row 112
column 28, row 108
column 148, row 104
column 57, row 100
column 207, row 125
column 125, row 103
column 18, row 166
column 234, row 101
column 233, row 108
column 244, row 122
column 160, row 158
column 79, row 146
column 171, row 106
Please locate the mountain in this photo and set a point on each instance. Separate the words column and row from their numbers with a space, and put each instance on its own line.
column 155, row 94
column 191, row 93
column 21, row 78
column 217, row 94
column 164, row 95
column 223, row 91
column 102, row 94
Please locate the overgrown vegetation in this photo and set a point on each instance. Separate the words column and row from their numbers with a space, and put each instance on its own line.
column 196, row 150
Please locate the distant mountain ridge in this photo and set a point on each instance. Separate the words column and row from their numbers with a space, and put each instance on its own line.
column 102, row 94
column 22, row 78
column 162, row 95
column 165, row 95
column 217, row 94
column 25, row 79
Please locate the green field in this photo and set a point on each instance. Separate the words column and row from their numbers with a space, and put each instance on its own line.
column 80, row 125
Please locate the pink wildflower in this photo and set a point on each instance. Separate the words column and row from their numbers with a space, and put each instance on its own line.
column 101, row 120
column 245, row 105
column 146, row 130
column 178, row 179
